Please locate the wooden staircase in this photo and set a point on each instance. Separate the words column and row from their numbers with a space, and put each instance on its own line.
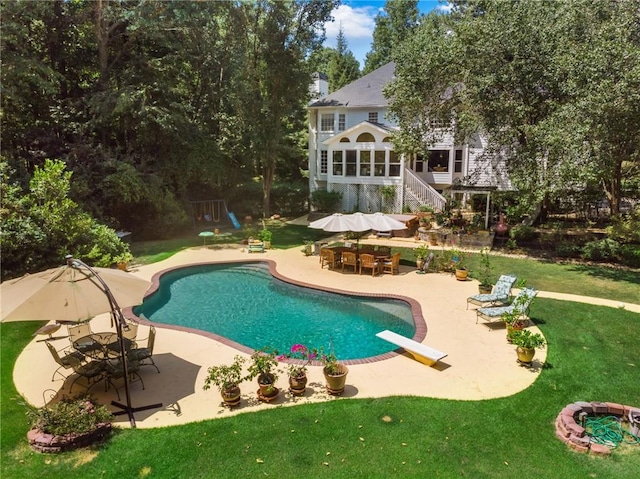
column 418, row 192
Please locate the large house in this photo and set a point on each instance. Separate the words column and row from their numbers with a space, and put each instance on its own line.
column 350, row 151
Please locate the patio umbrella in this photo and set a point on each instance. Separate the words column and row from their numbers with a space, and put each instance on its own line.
column 382, row 222
column 74, row 293
column 341, row 223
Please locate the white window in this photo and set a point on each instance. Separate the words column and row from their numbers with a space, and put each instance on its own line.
column 342, row 122
column 373, row 116
column 394, row 164
column 323, row 161
column 337, row 163
column 326, row 122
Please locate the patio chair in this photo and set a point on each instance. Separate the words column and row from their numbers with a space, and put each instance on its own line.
column 93, row 371
column 64, row 361
column 500, row 295
column 142, row 355
column 77, row 331
column 392, row 265
column 115, row 371
column 329, row 258
column 368, row 261
column 349, row 259
column 520, row 305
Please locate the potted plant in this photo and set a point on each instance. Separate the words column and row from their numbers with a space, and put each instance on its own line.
column 526, row 343
column 484, row 272
column 421, row 252
column 227, row 377
column 302, row 356
column 68, row 424
column 458, row 265
column 335, row 373
column 123, row 259
column 265, row 236
column 307, row 249
column 264, row 364
column 514, row 318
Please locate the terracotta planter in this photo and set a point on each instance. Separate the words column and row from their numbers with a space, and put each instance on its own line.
column 517, row 326
column 484, row 289
column 43, row 442
column 231, row 396
column 336, row 382
column 298, row 384
column 501, row 228
column 267, row 391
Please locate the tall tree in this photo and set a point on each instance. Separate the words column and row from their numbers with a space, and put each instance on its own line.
column 343, row 67
column 538, row 78
column 280, row 36
column 399, row 20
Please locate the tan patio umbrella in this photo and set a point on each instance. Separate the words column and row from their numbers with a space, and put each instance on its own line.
column 340, row 223
column 75, row 293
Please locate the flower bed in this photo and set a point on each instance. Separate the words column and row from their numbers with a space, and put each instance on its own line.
column 43, row 442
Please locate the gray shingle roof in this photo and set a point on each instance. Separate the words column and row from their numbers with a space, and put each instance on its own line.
column 365, row 91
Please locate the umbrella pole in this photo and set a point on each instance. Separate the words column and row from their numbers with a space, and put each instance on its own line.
column 118, row 317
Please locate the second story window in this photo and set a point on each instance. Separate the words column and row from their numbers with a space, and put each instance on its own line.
column 373, row 116
column 323, row 161
column 457, row 163
column 326, row 122
column 342, row 122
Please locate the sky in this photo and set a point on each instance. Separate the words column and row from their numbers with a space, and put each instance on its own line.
column 358, row 21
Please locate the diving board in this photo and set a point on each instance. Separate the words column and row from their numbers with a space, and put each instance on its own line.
column 421, row 352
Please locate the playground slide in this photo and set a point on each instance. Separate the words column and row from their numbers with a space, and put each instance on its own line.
column 234, row 220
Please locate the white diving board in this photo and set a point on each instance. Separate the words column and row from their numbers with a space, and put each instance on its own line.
column 421, row 352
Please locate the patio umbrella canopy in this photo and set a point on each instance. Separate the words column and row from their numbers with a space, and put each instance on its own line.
column 68, row 294
column 382, row 222
column 339, row 223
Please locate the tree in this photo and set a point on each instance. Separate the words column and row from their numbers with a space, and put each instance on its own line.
column 279, row 37
column 43, row 225
column 398, row 22
column 343, row 68
column 538, row 78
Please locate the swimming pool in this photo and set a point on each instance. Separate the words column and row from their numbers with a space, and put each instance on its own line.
column 245, row 303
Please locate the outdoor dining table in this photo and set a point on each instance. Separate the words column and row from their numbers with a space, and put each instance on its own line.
column 101, row 346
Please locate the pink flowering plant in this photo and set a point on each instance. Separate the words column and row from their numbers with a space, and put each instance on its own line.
column 69, row 416
column 302, row 356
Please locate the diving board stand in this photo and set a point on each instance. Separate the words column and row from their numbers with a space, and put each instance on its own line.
column 421, row 352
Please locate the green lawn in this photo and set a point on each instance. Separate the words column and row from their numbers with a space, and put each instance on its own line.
column 592, row 356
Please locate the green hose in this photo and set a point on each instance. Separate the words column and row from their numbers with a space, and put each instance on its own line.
column 607, row 430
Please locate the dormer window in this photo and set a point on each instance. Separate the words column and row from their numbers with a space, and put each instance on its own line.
column 373, row 116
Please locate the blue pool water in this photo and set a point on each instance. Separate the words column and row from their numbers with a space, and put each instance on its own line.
column 245, row 303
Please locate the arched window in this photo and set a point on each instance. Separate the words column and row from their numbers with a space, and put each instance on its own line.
column 387, row 139
column 365, row 138
column 345, row 140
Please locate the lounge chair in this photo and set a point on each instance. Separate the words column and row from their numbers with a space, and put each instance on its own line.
column 499, row 296
column 520, row 305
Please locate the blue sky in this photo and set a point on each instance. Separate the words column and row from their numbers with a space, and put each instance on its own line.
column 358, row 21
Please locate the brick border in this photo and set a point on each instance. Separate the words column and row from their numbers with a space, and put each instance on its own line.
column 48, row 443
column 416, row 310
column 573, row 434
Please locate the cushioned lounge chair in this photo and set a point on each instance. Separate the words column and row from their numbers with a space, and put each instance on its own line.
column 520, row 305
column 500, row 295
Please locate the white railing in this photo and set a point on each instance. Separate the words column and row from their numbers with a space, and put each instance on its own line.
column 423, row 191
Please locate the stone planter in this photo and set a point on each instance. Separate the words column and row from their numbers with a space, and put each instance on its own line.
column 336, row 382
column 42, row 442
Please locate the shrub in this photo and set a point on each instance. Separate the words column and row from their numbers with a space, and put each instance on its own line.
column 567, row 249
column 326, row 201
column 626, row 229
column 521, row 233
column 630, row 255
column 69, row 416
column 601, row 250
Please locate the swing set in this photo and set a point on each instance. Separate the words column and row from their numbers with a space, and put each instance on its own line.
column 209, row 211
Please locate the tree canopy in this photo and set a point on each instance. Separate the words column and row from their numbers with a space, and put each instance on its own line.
column 554, row 86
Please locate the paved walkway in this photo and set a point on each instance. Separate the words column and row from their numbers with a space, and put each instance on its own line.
column 480, row 363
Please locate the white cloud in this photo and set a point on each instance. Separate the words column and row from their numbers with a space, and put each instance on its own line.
column 357, row 25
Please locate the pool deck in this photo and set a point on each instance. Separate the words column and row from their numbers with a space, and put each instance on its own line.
column 480, row 363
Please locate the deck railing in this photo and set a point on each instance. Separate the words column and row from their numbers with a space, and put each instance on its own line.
column 422, row 191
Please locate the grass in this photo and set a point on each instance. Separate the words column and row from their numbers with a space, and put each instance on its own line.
column 593, row 356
